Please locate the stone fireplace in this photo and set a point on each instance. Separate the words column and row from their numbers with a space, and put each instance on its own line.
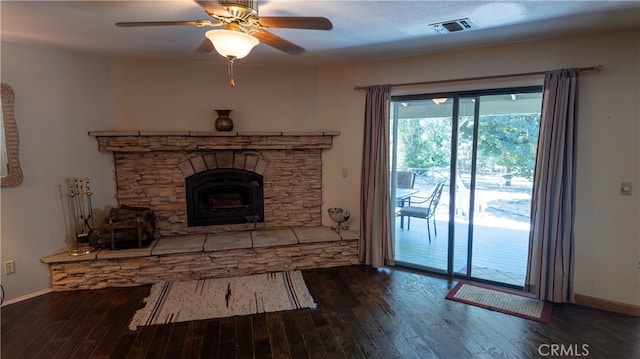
column 161, row 171
column 206, row 191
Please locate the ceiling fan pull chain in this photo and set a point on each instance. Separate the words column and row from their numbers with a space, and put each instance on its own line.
column 231, row 81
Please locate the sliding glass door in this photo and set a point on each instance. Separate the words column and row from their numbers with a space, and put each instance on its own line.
column 424, row 141
column 481, row 147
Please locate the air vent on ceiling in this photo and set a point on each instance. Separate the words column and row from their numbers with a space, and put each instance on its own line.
column 446, row 27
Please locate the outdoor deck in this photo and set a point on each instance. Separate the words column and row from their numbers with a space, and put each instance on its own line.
column 499, row 252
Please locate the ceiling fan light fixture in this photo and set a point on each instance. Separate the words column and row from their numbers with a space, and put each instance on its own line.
column 439, row 101
column 231, row 43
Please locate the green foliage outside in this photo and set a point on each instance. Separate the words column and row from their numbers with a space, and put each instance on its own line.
column 424, row 143
column 507, row 143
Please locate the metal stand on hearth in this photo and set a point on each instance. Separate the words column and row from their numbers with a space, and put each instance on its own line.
column 340, row 216
column 80, row 195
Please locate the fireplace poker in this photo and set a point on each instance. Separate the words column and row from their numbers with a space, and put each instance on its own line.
column 74, row 205
column 89, row 214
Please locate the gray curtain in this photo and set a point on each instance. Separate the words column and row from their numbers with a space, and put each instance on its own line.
column 550, row 264
column 375, row 245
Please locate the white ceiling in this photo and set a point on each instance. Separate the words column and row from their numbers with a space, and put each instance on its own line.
column 361, row 29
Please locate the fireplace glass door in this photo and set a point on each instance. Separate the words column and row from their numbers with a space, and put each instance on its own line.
column 224, row 196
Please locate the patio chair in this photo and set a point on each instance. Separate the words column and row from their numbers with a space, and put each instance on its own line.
column 425, row 208
column 404, row 179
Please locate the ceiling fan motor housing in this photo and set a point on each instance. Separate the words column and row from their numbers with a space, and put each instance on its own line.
column 241, row 9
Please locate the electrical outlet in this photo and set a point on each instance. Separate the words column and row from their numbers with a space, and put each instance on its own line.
column 9, row 267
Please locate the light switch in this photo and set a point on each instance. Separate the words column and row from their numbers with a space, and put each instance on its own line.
column 625, row 188
column 344, row 172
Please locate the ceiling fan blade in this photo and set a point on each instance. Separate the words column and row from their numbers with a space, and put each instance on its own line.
column 295, row 22
column 214, row 7
column 164, row 23
column 278, row 42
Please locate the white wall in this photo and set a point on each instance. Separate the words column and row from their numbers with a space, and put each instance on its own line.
column 173, row 95
column 59, row 97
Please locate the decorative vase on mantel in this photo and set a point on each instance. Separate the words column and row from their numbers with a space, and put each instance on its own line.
column 224, row 122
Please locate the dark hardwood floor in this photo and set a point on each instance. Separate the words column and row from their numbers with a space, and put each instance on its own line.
column 362, row 312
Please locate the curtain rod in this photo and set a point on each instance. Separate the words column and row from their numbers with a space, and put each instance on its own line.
column 597, row 68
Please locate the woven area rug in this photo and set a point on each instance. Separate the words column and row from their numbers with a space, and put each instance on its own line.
column 499, row 300
column 170, row 302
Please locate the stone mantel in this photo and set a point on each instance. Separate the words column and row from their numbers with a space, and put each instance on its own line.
column 146, row 141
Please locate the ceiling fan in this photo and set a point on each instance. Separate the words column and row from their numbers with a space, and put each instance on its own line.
column 242, row 29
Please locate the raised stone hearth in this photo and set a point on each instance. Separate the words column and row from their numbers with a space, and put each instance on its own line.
column 201, row 256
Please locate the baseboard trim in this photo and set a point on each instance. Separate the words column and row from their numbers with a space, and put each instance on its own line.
column 607, row 305
column 28, row 296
